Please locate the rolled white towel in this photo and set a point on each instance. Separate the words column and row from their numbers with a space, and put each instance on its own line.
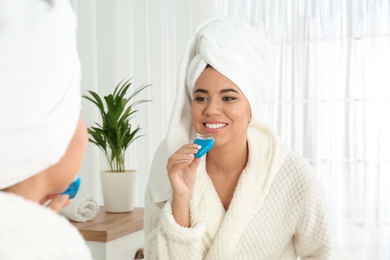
column 81, row 209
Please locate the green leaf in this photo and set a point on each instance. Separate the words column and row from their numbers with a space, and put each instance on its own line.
column 115, row 133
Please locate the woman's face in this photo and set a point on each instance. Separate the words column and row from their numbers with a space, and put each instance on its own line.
column 220, row 108
column 62, row 173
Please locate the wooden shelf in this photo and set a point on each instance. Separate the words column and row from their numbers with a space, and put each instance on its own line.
column 109, row 226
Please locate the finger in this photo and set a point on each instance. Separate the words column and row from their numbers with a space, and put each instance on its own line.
column 194, row 164
column 178, row 166
column 47, row 198
column 188, row 149
column 179, row 158
column 59, row 201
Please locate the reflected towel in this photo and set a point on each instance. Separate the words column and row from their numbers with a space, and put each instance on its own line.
column 81, row 210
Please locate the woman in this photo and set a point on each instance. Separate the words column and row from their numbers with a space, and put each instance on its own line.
column 250, row 197
column 42, row 135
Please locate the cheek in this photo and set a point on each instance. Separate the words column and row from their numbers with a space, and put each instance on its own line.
column 247, row 112
column 78, row 146
column 194, row 112
column 241, row 114
column 64, row 171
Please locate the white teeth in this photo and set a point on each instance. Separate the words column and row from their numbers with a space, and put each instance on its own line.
column 215, row 126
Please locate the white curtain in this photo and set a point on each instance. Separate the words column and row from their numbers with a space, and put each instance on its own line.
column 329, row 97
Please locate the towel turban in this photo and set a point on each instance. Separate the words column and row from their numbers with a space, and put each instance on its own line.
column 39, row 86
column 233, row 48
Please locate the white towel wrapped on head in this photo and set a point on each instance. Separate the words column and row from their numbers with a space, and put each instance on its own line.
column 40, row 99
column 82, row 209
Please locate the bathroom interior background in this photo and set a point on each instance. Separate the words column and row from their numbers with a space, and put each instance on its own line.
column 329, row 95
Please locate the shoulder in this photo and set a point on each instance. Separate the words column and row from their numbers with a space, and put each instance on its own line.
column 300, row 178
column 298, row 165
column 40, row 231
column 295, row 177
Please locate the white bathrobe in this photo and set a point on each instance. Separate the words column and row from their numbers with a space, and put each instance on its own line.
column 30, row 231
column 278, row 211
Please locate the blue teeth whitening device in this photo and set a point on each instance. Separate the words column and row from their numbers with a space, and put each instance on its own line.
column 73, row 188
column 206, row 142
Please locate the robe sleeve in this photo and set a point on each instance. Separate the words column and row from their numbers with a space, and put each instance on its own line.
column 164, row 238
column 315, row 237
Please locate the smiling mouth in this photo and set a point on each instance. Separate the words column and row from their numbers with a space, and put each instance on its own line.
column 215, row 126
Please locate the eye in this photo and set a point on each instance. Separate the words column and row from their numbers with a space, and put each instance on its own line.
column 229, row 98
column 200, row 99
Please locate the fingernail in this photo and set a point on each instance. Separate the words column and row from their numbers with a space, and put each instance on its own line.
column 199, row 146
column 63, row 197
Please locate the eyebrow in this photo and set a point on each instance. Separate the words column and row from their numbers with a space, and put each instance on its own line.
column 201, row 90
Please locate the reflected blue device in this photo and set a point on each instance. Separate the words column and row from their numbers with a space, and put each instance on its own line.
column 73, row 188
column 206, row 142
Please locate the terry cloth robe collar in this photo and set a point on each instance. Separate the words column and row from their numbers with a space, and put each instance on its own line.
column 266, row 154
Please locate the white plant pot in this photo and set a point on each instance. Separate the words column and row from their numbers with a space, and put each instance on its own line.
column 119, row 190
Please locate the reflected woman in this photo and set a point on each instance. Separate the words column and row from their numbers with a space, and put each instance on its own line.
column 250, row 196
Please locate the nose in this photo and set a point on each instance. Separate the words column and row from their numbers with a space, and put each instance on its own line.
column 213, row 108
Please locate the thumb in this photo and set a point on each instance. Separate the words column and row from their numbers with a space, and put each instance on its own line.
column 59, row 201
column 194, row 164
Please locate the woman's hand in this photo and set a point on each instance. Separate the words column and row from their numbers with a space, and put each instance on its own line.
column 181, row 169
column 57, row 202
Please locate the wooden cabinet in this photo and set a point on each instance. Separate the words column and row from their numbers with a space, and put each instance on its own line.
column 114, row 236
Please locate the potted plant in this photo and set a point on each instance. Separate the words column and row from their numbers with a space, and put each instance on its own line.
column 113, row 136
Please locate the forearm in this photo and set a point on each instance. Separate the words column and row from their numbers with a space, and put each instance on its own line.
column 166, row 239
